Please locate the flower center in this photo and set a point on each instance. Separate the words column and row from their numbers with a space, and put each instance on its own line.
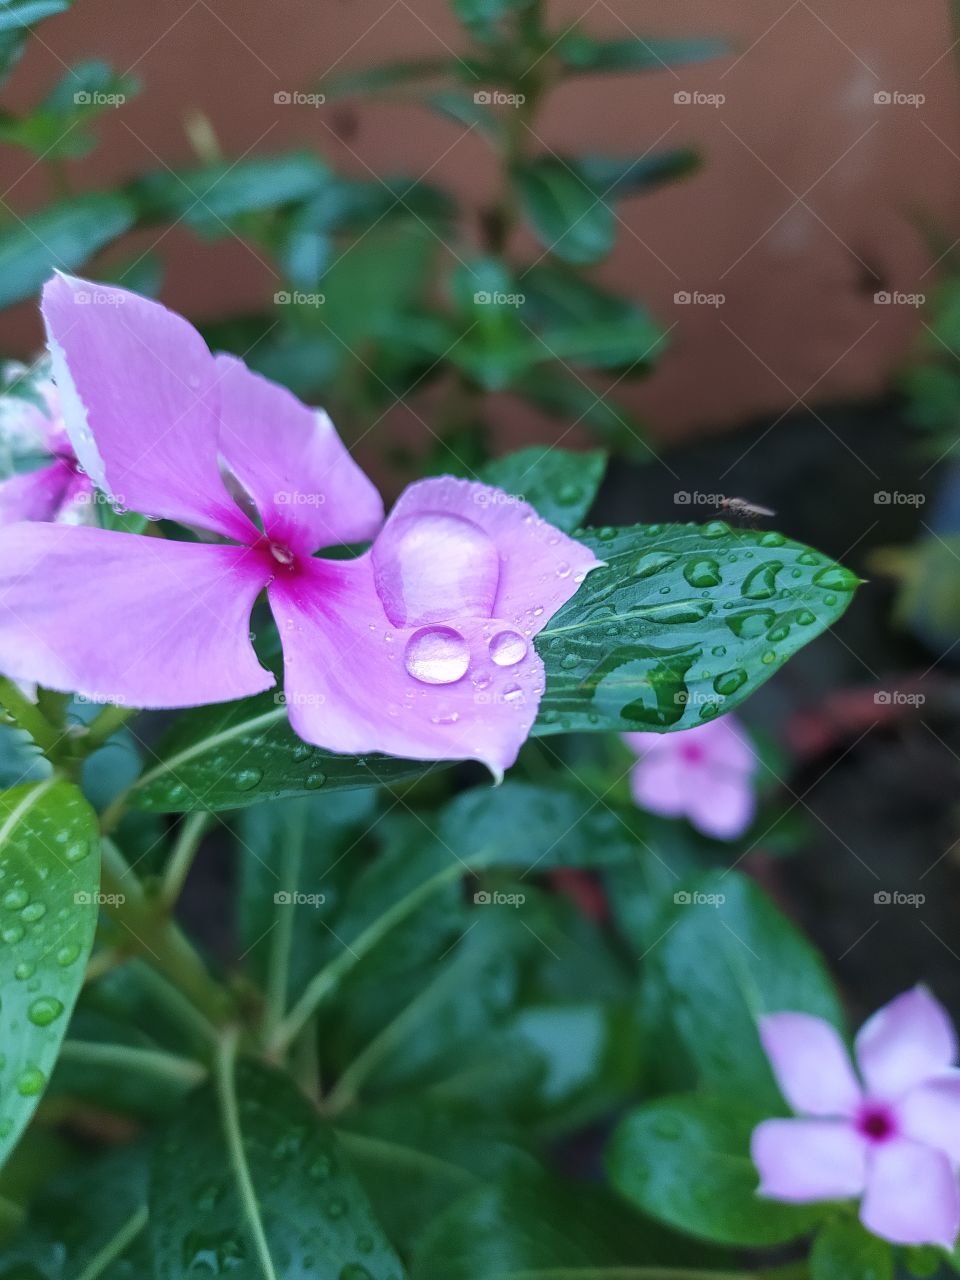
column 692, row 753
column 876, row 1122
column 283, row 555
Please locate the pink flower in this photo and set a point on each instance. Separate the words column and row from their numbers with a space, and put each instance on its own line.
column 422, row 647
column 57, row 490
column 893, row 1140
column 704, row 774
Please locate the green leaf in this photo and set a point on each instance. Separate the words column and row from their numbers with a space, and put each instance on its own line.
column 844, row 1250
column 566, row 397
column 686, row 1161
column 559, row 484
column 533, row 1227
column 567, row 214
column 582, row 53
column 16, row 14
column 87, row 1220
column 248, row 1178
column 635, row 649
column 485, row 19
column 52, row 130
column 63, row 235
column 48, row 914
column 464, row 109
column 617, row 177
column 758, row 963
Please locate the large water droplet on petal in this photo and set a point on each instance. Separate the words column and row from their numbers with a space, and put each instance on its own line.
column 507, row 648
column 437, row 655
column 433, row 567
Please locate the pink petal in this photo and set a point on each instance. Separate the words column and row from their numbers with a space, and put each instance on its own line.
column 539, row 567
column 308, row 490
column 721, row 805
column 652, row 744
column 35, row 495
column 137, row 389
column 811, row 1064
column 906, row 1041
column 808, row 1160
column 727, row 745
column 79, row 502
column 660, row 784
column 911, row 1196
column 348, row 673
column 930, row 1113
column 128, row 619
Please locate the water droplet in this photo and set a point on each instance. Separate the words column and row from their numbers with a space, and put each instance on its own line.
column 321, row 1168
column 335, row 1208
column 568, row 661
column 772, row 539
column 30, row 1082
column 652, row 562
column 568, row 494
column 805, row 617
column 715, row 529
column 33, row 912
column 507, row 648
column 44, row 1010
column 247, row 779
column 445, row 717
column 15, row 899
column 779, row 632
column 418, row 587
column 77, row 851
column 761, row 582
column 702, row 573
column 729, row 682
column 314, row 781
column 750, row 625
column 437, row 655
column 68, row 954
column 11, row 933
column 302, row 751
column 283, row 555
column 513, row 694
column 24, row 970
column 836, row 578
column 768, row 657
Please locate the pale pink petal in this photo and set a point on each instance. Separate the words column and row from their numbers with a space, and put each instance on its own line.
column 721, row 804
column 308, row 490
column 808, row 1160
column 540, row 568
column 930, row 1113
column 79, row 504
column 660, row 784
column 122, row 618
column 35, row 495
column 138, row 393
column 727, row 745
column 653, row 744
column 911, row 1195
column 906, row 1041
column 354, row 683
column 811, row 1064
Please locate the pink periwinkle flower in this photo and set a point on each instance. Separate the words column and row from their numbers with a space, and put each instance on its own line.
column 58, row 489
column 421, row 647
column 705, row 774
column 890, row 1137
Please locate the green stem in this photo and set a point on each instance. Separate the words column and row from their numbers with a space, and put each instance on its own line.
column 29, row 717
column 157, row 939
column 152, row 1062
column 230, row 1118
column 278, row 965
column 192, row 830
column 202, row 1033
column 105, row 724
column 116, row 1246
column 332, row 974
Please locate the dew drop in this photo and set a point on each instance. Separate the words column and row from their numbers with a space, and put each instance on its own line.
column 15, row 899
column 437, row 655
column 44, row 1010
column 30, row 1082
column 652, row 562
column 702, row 573
column 68, row 954
column 513, row 694
column 314, row 781
column 33, row 912
column 12, row 933
column 77, row 851
column 247, row 779
column 507, row 648
column 24, row 970
column 729, row 682
column 836, row 578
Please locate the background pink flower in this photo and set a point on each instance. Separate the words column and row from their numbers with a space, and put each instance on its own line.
column 890, row 1137
column 705, row 774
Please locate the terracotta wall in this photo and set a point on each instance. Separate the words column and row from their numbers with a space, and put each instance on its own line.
column 806, row 206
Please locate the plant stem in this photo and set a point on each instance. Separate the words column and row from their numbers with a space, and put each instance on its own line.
column 29, row 717
column 106, row 723
column 278, row 966
column 192, row 830
column 153, row 1062
column 116, row 1246
column 157, row 938
column 332, row 974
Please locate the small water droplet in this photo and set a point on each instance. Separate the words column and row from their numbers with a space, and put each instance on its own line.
column 68, row 954
column 15, row 899
column 437, row 655
column 30, row 1082
column 507, row 648
column 702, row 573
column 44, row 1010
column 24, row 970
column 33, row 912
column 729, row 682
column 247, row 779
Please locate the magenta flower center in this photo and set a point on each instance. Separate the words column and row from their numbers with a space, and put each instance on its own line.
column 876, row 1122
column 283, row 555
column 692, row 752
